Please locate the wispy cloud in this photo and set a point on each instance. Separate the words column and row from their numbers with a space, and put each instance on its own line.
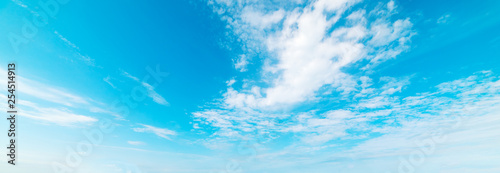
column 20, row 3
column 84, row 58
column 57, row 115
column 136, row 143
column 101, row 110
column 154, row 95
column 128, row 75
column 444, row 19
column 108, row 80
column 161, row 132
column 48, row 93
column 54, row 104
column 151, row 92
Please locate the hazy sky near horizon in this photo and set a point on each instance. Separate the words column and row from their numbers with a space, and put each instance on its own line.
column 254, row 86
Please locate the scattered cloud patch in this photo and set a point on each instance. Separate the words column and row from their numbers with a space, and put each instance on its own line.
column 310, row 50
column 241, row 63
column 154, row 95
column 128, row 75
column 85, row 58
column 307, row 48
column 444, row 19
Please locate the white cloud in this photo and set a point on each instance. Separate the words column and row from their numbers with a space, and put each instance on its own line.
column 241, row 63
column 100, row 110
column 310, row 51
column 54, row 104
column 45, row 92
column 375, row 102
column 391, row 5
column 444, row 19
column 307, row 50
column 447, row 146
column 50, row 93
column 154, row 95
column 230, row 82
column 151, row 92
column 393, row 85
column 259, row 20
column 124, row 73
column 459, row 118
column 107, row 80
column 473, row 95
column 86, row 59
column 161, row 132
column 60, row 116
column 20, row 3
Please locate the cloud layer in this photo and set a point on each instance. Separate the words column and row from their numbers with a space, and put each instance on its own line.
column 309, row 48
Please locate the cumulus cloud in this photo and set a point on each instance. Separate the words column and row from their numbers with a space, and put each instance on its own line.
column 308, row 49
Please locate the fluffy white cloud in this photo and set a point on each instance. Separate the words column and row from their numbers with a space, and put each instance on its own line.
column 241, row 63
column 309, row 47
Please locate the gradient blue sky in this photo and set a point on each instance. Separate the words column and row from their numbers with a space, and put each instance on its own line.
column 259, row 86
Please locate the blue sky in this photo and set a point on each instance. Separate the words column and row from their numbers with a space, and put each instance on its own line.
column 255, row 86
